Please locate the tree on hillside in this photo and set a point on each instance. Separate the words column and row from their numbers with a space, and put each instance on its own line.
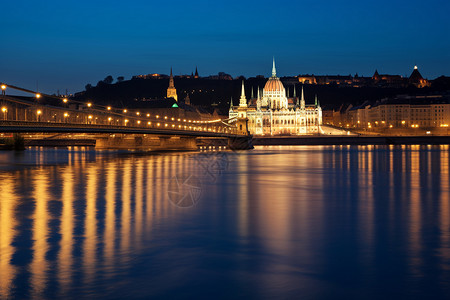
column 120, row 78
column 88, row 86
column 108, row 79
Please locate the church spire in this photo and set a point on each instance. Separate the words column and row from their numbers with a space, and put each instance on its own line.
column 171, row 84
column 171, row 91
column 252, row 96
column 258, row 101
column 317, row 102
column 196, row 72
column 231, row 104
column 302, row 100
column 243, row 100
column 295, row 94
column 274, row 70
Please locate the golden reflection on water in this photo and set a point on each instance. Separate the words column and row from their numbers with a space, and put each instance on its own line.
column 7, row 233
column 280, row 195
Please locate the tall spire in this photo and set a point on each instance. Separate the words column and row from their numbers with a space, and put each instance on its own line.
column 171, row 84
column 243, row 100
column 231, row 104
column 274, row 70
column 295, row 94
column 258, row 101
column 317, row 102
column 302, row 100
column 171, row 91
column 196, row 72
column 252, row 96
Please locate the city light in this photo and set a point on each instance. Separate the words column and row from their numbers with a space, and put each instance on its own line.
column 39, row 112
column 3, row 87
column 4, row 109
column 124, row 111
column 89, row 104
column 65, row 100
column 148, row 115
column 38, row 95
column 108, row 108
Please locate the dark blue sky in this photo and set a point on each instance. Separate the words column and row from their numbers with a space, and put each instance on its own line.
column 67, row 44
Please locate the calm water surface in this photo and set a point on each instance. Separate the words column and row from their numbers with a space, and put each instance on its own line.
column 306, row 222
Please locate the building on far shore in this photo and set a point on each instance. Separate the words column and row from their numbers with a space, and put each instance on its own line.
column 379, row 80
column 402, row 112
column 171, row 90
column 274, row 113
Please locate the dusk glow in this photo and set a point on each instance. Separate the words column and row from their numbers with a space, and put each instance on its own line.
column 225, row 150
column 67, row 44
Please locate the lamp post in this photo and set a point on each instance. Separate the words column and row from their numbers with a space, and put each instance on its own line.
column 39, row 113
column 3, row 86
column 5, row 111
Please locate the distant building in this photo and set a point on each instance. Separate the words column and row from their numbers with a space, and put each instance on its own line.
column 273, row 113
column 196, row 73
column 417, row 79
column 399, row 112
column 171, row 91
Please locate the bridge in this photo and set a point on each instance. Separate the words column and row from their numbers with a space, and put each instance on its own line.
column 110, row 127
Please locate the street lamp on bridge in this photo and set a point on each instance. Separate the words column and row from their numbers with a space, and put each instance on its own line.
column 39, row 113
column 5, row 111
column 3, row 86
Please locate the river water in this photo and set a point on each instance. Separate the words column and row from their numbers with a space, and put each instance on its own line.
column 304, row 222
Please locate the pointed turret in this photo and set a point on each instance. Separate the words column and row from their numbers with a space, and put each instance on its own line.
column 171, row 85
column 231, row 104
column 302, row 100
column 252, row 97
column 317, row 103
column 243, row 99
column 258, row 101
column 171, row 91
column 274, row 70
column 295, row 94
column 196, row 72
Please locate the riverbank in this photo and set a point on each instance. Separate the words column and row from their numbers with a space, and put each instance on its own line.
column 351, row 140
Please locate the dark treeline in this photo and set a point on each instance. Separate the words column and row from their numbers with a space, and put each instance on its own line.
column 206, row 92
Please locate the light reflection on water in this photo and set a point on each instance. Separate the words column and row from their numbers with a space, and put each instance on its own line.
column 280, row 222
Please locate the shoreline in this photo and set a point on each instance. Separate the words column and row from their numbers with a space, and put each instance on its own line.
column 351, row 140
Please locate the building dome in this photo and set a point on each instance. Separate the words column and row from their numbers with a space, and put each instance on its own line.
column 274, row 85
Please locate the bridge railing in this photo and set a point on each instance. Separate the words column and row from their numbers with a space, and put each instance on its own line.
column 19, row 112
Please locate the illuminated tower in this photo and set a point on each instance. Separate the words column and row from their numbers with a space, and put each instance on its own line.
column 171, row 90
column 243, row 99
column 302, row 100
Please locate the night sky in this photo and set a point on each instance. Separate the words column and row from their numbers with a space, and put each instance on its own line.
column 67, row 44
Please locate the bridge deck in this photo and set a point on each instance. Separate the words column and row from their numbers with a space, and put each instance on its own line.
column 32, row 127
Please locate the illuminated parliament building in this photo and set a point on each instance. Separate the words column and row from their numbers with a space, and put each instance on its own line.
column 274, row 113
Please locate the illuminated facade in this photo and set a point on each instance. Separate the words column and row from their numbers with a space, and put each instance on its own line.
column 273, row 113
column 171, row 90
column 401, row 112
